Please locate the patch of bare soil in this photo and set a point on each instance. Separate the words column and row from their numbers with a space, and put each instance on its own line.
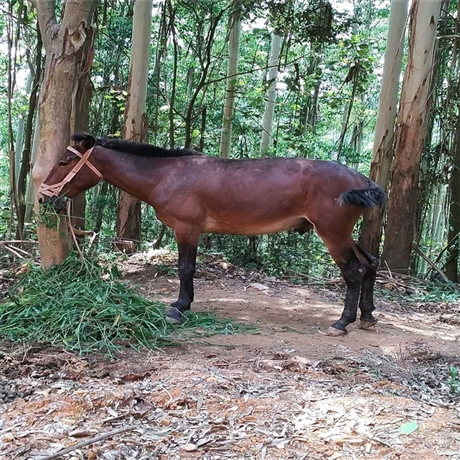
column 287, row 392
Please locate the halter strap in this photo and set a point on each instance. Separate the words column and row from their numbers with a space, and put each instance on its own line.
column 55, row 190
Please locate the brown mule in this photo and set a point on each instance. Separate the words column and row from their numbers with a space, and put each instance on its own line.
column 195, row 194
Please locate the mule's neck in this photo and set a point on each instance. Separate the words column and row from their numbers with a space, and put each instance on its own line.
column 140, row 176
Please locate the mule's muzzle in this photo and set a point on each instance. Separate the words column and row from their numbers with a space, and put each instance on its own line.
column 53, row 203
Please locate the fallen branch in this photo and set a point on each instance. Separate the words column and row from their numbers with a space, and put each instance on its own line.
column 431, row 264
column 86, row 443
column 18, row 242
column 14, row 251
column 314, row 278
column 7, row 245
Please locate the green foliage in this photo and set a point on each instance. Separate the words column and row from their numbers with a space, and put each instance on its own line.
column 313, row 21
column 453, row 381
column 4, row 215
column 282, row 254
column 48, row 214
column 82, row 306
column 436, row 291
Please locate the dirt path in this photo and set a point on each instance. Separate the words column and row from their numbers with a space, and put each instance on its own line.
column 288, row 392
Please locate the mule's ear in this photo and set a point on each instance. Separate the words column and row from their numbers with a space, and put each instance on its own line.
column 85, row 140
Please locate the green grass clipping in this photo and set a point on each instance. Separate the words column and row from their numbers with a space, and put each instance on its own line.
column 82, row 306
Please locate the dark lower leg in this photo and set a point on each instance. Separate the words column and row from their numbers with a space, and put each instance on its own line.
column 187, row 263
column 353, row 272
column 366, row 301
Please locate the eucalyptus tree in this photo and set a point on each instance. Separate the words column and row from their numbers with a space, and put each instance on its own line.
column 273, row 69
column 410, row 134
column 386, row 116
column 231, row 84
column 110, row 74
column 453, row 235
column 135, row 125
column 68, row 50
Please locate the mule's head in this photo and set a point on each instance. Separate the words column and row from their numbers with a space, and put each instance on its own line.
column 73, row 173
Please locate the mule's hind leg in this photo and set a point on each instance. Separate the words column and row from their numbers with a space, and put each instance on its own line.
column 353, row 272
column 341, row 247
column 366, row 301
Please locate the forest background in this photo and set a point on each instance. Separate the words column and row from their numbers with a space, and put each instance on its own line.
column 372, row 84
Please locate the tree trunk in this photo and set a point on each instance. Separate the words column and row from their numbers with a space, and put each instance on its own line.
column 410, row 134
column 348, row 112
column 454, row 215
column 453, row 234
column 30, row 194
column 26, row 159
column 229, row 107
column 206, row 59
column 384, row 129
column 80, row 123
column 135, row 128
column 66, row 46
column 161, row 48
column 267, row 123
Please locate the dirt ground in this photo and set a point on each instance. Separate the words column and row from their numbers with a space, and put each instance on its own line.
column 285, row 392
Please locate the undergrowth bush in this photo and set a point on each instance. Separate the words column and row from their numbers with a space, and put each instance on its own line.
column 280, row 254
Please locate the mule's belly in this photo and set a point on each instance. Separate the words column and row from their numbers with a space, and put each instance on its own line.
column 251, row 228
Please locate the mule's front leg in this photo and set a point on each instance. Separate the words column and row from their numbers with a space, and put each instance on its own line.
column 187, row 263
column 353, row 272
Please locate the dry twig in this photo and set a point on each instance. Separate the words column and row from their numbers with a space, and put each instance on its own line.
column 88, row 442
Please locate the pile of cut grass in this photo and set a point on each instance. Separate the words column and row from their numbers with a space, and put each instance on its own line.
column 82, row 306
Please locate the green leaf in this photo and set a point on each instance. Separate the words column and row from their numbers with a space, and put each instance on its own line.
column 408, row 428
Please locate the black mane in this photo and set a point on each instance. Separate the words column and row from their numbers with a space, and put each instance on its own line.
column 136, row 148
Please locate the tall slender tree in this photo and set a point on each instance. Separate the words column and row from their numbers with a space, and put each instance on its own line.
column 229, row 107
column 410, row 134
column 386, row 116
column 79, row 123
column 267, row 122
column 453, row 234
column 135, row 127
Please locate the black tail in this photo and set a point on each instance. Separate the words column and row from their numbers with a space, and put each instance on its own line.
column 365, row 197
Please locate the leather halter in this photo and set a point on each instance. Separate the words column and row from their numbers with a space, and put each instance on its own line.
column 56, row 189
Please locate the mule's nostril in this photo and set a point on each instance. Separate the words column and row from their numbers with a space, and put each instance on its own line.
column 40, row 200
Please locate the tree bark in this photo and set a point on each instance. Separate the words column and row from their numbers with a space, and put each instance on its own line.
column 454, row 215
column 66, row 46
column 229, row 107
column 384, row 130
column 26, row 159
column 267, row 122
column 135, row 128
column 410, row 134
column 80, row 123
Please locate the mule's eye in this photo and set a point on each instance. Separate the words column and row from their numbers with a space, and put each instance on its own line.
column 63, row 162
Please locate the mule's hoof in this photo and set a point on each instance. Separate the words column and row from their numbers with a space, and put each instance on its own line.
column 334, row 332
column 366, row 325
column 174, row 316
